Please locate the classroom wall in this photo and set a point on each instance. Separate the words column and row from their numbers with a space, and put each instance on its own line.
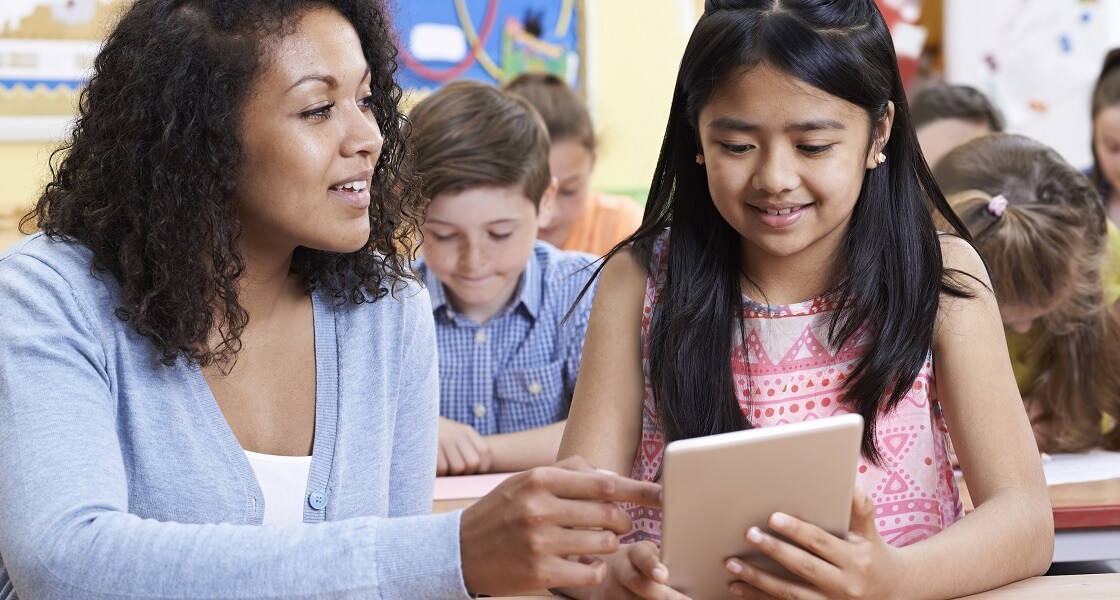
column 631, row 69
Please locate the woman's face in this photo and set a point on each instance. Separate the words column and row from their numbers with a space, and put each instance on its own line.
column 1106, row 143
column 311, row 142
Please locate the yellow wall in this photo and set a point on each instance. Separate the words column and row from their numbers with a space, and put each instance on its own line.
column 632, row 66
column 23, row 171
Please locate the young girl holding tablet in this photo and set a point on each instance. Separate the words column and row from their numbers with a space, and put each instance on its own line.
column 787, row 269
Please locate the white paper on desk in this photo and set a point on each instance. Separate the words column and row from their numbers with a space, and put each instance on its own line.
column 463, row 487
column 1075, row 468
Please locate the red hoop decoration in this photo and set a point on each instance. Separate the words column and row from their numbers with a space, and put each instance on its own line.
column 463, row 65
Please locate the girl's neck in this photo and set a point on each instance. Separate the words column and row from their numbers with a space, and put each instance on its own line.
column 781, row 280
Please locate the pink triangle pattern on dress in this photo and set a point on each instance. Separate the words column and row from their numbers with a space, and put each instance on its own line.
column 912, row 486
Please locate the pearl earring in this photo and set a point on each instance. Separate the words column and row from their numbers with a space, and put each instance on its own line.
column 881, row 158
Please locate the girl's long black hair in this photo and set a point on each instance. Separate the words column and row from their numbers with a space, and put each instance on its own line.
column 147, row 178
column 893, row 278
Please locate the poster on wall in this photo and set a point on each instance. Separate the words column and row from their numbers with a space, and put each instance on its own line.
column 1036, row 59
column 46, row 53
column 487, row 40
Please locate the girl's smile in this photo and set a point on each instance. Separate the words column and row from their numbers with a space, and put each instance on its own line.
column 781, row 217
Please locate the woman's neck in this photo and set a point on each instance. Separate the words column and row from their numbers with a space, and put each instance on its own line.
column 267, row 282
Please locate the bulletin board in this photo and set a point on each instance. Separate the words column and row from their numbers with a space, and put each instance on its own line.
column 1037, row 60
column 47, row 48
column 488, row 40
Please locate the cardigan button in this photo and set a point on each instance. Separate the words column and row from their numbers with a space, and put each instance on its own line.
column 317, row 500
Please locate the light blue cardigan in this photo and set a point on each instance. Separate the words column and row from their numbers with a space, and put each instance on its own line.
column 120, row 478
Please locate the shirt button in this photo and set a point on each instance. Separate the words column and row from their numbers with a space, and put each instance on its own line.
column 317, row 500
column 479, row 410
column 534, row 388
column 480, row 337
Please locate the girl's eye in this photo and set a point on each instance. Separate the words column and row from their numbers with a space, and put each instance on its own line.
column 568, row 193
column 442, row 238
column 321, row 112
column 815, row 150
column 736, row 148
column 500, row 236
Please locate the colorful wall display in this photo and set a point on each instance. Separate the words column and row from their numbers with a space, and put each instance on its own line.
column 488, row 40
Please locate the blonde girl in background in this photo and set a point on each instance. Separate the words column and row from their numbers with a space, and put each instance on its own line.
column 788, row 269
column 584, row 220
column 1055, row 263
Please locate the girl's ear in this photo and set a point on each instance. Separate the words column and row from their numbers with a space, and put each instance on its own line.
column 546, row 209
column 881, row 135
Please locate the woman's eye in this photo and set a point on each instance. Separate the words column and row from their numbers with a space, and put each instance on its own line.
column 368, row 103
column 815, row 150
column 322, row 112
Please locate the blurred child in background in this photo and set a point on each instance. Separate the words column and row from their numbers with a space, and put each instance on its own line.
column 507, row 357
column 1106, row 135
column 1055, row 263
column 946, row 116
column 584, row 220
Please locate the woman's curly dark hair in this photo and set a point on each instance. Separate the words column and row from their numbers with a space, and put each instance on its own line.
column 146, row 178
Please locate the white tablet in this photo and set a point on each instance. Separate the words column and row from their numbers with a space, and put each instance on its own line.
column 717, row 487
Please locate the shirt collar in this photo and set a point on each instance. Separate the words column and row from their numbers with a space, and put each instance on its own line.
column 528, row 290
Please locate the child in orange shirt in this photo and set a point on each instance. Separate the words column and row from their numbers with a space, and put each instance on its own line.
column 585, row 220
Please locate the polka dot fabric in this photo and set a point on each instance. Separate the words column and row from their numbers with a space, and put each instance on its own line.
column 785, row 372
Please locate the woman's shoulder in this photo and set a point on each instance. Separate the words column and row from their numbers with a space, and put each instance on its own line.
column 42, row 263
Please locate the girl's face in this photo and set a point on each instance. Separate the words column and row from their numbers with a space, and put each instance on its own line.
column 311, row 142
column 1106, row 143
column 570, row 163
column 785, row 162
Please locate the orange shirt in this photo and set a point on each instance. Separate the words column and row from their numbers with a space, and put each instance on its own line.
column 606, row 221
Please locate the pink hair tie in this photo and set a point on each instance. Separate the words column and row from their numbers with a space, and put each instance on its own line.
column 997, row 205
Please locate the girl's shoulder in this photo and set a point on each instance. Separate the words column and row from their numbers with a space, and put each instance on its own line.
column 958, row 257
column 971, row 288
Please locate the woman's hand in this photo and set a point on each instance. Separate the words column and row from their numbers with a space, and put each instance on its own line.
column 518, row 537
column 462, row 450
column 634, row 572
column 863, row 566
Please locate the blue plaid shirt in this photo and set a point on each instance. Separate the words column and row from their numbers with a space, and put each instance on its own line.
column 518, row 371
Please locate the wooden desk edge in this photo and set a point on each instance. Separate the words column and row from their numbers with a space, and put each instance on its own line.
column 1062, row 587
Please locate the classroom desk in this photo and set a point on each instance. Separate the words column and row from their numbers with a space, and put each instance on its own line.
column 1087, row 527
column 1064, row 587
column 1086, row 520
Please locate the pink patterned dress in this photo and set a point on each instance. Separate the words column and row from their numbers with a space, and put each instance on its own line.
column 795, row 376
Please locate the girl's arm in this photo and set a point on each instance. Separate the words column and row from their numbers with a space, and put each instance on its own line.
column 1008, row 537
column 605, row 421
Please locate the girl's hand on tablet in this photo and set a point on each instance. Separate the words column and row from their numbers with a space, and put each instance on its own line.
column 635, row 571
column 862, row 566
